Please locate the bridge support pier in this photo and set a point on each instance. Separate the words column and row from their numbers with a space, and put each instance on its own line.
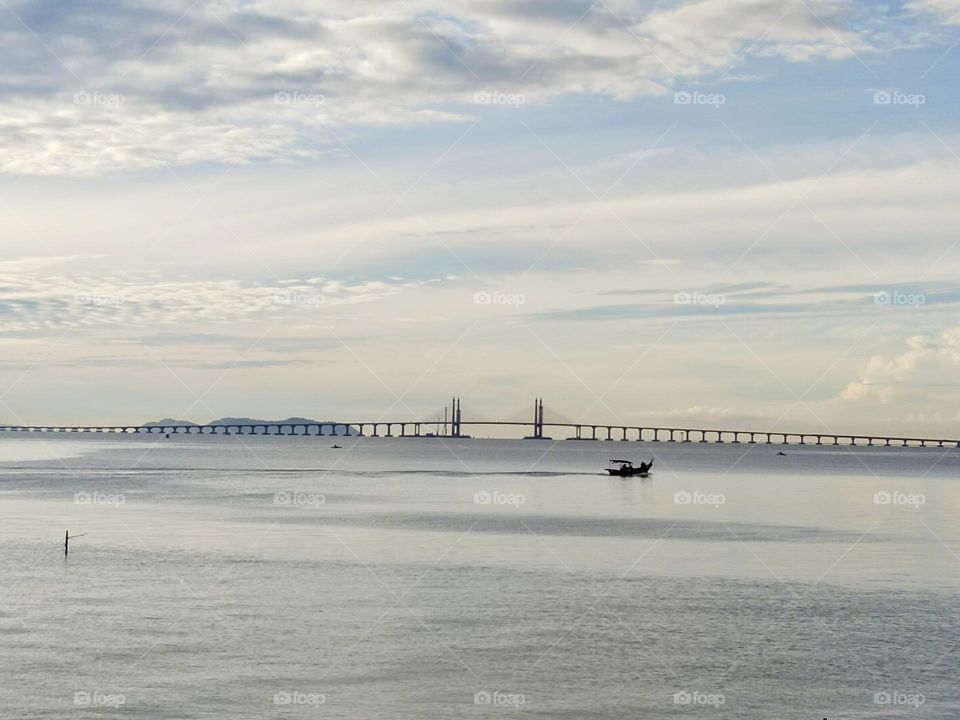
column 390, row 428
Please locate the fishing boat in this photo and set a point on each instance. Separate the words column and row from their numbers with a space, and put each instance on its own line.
column 626, row 468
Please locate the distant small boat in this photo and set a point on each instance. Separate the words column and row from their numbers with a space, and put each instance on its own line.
column 336, row 447
column 626, row 468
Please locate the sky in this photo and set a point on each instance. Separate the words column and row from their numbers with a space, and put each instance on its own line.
column 720, row 213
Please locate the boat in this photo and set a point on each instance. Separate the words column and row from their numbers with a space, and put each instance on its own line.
column 626, row 468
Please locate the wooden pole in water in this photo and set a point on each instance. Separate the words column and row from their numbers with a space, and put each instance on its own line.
column 66, row 541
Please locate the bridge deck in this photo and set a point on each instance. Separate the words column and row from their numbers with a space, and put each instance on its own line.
column 578, row 431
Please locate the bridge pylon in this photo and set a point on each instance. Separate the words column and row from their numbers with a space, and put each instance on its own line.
column 455, row 418
column 538, row 419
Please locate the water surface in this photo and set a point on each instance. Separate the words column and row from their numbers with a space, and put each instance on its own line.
column 416, row 578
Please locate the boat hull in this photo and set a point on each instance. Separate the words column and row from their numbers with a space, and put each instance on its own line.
column 628, row 473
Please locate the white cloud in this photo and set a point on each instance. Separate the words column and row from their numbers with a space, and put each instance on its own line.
column 50, row 139
column 948, row 10
column 711, row 33
column 125, row 86
column 35, row 263
column 926, row 376
column 31, row 302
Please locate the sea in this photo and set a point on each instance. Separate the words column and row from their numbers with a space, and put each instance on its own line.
column 393, row 578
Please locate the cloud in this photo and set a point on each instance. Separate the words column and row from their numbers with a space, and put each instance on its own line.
column 277, row 343
column 699, row 212
column 900, row 301
column 32, row 302
column 113, row 86
column 249, row 364
column 34, row 263
column 472, row 257
column 922, row 378
column 947, row 10
column 45, row 137
column 710, row 34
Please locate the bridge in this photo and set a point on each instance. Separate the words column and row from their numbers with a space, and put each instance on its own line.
column 453, row 428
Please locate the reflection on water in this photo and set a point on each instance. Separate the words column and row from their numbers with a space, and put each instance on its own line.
column 394, row 579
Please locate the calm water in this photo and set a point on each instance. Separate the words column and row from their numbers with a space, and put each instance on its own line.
column 280, row 578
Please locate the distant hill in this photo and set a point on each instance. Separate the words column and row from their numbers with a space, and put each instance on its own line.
column 252, row 421
column 170, row 422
